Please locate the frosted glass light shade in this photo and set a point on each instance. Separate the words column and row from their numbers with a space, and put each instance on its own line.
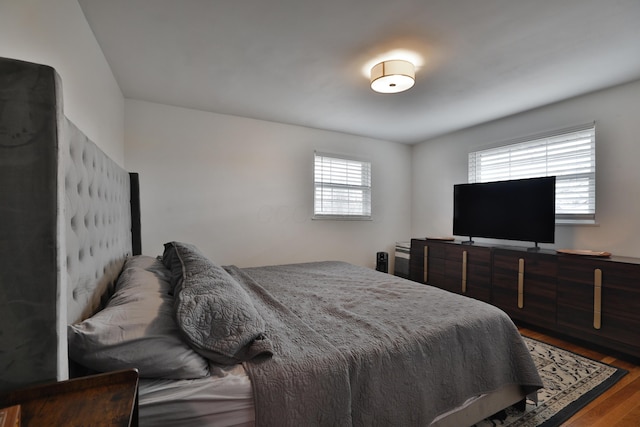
column 392, row 76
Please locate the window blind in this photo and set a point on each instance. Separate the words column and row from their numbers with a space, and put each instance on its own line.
column 569, row 155
column 342, row 188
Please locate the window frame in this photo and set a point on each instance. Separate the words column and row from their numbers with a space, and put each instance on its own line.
column 365, row 187
column 567, row 181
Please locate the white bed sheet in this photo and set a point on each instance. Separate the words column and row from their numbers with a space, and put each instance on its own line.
column 224, row 399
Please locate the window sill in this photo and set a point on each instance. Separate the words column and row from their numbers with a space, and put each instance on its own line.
column 588, row 222
column 342, row 218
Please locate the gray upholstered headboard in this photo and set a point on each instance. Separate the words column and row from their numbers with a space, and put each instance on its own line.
column 97, row 223
column 66, row 225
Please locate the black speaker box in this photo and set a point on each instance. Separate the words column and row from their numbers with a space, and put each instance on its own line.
column 382, row 262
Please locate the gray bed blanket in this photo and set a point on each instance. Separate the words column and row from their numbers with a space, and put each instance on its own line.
column 353, row 346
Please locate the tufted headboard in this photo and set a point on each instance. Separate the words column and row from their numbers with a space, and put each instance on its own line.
column 66, row 225
column 97, row 223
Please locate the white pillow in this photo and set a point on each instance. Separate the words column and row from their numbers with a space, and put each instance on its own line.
column 137, row 328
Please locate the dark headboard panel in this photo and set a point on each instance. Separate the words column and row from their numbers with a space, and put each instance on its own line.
column 66, row 225
column 136, row 228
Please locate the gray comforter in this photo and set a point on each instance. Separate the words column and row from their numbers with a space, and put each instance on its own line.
column 356, row 347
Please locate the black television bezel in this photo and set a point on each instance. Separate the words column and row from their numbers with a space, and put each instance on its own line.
column 542, row 203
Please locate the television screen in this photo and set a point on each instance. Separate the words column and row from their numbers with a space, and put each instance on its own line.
column 521, row 209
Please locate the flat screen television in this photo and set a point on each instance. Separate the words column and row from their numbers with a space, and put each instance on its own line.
column 521, row 209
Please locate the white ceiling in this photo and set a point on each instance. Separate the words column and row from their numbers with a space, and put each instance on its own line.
column 301, row 61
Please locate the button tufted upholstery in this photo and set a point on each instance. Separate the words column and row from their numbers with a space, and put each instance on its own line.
column 97, row 223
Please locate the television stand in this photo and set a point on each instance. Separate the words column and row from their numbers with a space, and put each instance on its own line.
column 594, row 299
column 467, row 242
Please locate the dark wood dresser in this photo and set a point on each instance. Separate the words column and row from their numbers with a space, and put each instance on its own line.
column 592, row 299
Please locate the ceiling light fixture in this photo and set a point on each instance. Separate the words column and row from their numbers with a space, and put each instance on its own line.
column 392, row 76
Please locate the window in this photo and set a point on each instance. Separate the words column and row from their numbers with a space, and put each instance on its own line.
column 569, row 155
column 342, row 188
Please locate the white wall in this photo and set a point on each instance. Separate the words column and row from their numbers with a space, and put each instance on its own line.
column 56, row 33
column 242, row 189
column 440, row 163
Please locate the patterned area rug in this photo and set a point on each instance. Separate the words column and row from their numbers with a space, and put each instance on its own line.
column 570, row 382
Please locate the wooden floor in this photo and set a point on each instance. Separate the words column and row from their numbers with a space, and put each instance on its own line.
column 617, row 407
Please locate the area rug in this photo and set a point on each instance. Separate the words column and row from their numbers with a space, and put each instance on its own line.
column 570, row 382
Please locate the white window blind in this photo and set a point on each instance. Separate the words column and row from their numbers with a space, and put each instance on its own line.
column 342, row 188
column 569, row 155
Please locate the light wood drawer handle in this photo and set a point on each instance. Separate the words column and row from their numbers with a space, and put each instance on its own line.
column 521, row 283
column 426, row 264
column 597, row 298
column 464, row 272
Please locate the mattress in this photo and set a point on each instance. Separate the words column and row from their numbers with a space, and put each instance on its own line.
column 224, row 399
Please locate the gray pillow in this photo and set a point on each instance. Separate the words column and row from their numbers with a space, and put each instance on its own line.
column 137, row 328
column 214, row 312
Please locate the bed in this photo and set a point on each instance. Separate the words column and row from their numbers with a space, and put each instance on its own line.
column 325, row 343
